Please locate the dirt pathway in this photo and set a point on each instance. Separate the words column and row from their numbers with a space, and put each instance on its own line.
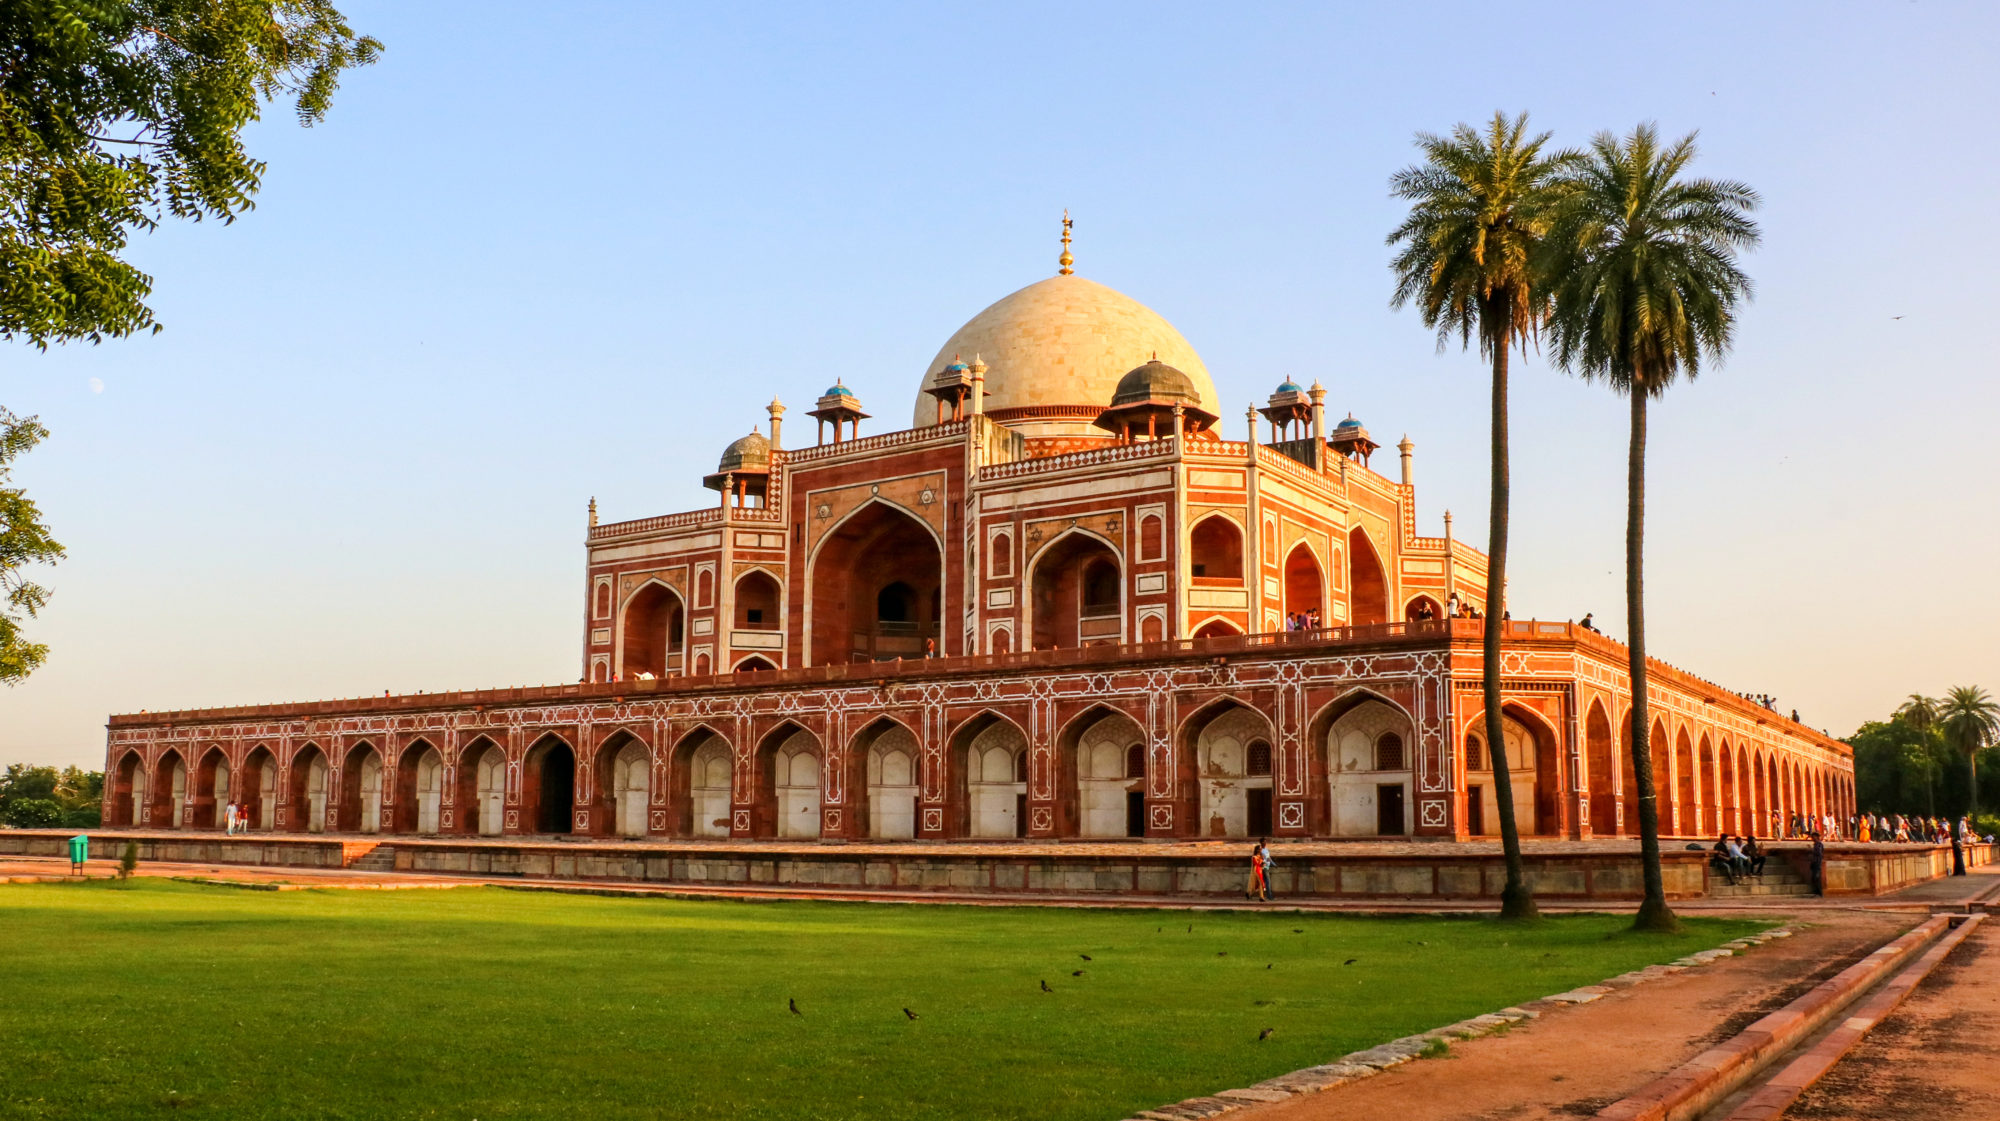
column 1936, row 1059
column 1574, row 1061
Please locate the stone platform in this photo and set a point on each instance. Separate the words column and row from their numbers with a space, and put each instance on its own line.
column 1579, row 871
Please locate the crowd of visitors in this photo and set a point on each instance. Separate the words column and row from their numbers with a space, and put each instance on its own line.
column 1737, row 858
column 1302, row 620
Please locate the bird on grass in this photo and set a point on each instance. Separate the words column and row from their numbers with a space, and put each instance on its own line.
column 1265, row 1034
column 793, row 1002
column 1045, row 987
column 1267, row 967
column 1298, row 930
column 1350, row 961
column 910, row 1014
column 1085, row 957
column 1222, row 953
column 1076, row 973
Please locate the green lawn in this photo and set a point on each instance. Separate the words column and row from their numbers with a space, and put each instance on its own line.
column 156, row 997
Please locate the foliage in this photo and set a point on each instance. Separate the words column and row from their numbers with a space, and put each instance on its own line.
column 117, row 112
column 128, row 860
column 1645, row 288
column 1908, row 764
column 1471, row 260
column 71, row 788
column 1969, row 721
column 24, row 540
column 33, row 813
column 84, row 817
column 484, row 1002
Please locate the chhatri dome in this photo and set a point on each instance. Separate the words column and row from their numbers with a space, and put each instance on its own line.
column 1064, row 341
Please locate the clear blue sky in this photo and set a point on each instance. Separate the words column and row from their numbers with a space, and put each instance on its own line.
column 541, row 252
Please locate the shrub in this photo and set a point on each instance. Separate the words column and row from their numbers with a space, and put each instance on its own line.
column 34, row 813
column 128, row 861
column 84, row 817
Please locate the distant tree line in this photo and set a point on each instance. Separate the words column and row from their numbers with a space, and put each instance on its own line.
column 45, row 798
column 1933, row 757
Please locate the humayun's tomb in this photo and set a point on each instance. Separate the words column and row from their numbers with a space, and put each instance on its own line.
column 1057, row 604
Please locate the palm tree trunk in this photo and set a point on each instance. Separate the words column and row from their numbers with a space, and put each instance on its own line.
column 1653, row 912
column 1972, row 776
column 1517, row 900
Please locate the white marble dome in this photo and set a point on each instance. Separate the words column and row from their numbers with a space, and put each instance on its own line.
column 1063, row 341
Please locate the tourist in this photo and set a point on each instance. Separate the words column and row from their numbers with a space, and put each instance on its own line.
column 930, row 648
column 1264, row 864
column 229, row 820
column 1818, row 865
column 1255, row 885
column 1753, row 856
column 1587, row 624
column 1724, row 861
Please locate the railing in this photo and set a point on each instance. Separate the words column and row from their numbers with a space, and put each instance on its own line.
column 1118, row 453
column 949, row 429
column 1298, row 643
column 654, row 525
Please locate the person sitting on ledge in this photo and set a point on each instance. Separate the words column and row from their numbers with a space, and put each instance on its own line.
column 1722, row 861
column 1587, row 624
column 1753, row 856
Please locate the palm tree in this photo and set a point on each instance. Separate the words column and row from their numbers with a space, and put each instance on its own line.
column 1920, row 714
column 1970, row 721
column 1471, row 248
column 1646, row 288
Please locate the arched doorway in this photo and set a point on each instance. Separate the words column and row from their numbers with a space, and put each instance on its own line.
column 755, row 663
column 170, row 779
column 360, row 809
column 1599, row 756
column 877, row 588
column 1660, row 754
column 1368, row 771
column 1107, row 750
column 1305, row 588
column 419, row 788
column 788, row 784
column 128, row 790
column 260, row 788
column 1421, row 609
column 548, row 785
column 624, row 775
column 655, row 621
column 1732, row 816
column 310, row 777
column 1367, row 585
column 1077, row 596
column 1687, row 817
column 211, row 790
column 757, row 600
column 1217, row 628
column 703, row 761
column 1708, row 812
column 989, row 767
column 1531, row 769
column 888, row 755
column 1230, row 745
column 1215, row 552
column 482, row 789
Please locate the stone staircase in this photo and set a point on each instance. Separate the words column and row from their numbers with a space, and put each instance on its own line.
column 371, row 858
column 1779, row 879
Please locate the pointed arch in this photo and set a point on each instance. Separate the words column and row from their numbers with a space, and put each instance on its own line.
column 759, row 600
column 883, row 763
column 1215, row 550
column 359, row 809
column 1219, row 795
column 788, row 773
column 420, row 775
column 213, row 789
column 874, row 546
column 127, row 779
column 1096, row 792
column 984, row 798
column 1367, row 581
column 1600, row 759
column 259, row 796
column 652, row 631
column 1305, row 585
column 169, row 786
column 1076, row 591
column 548, row 783
column 1422, row 607
column 482, row 787
column 621, row 774
column 700, row 776
column 311, row 778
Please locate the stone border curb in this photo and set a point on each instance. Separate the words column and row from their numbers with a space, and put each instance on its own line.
column 1772, row 1099
column 1696, row 1086
column 1356, row 1065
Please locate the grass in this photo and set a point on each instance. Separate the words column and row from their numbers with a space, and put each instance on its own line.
column 152, row 997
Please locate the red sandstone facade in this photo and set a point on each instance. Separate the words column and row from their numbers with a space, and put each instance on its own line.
column 1024, row 616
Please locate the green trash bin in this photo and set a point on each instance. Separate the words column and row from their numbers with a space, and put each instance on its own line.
column 79, row 851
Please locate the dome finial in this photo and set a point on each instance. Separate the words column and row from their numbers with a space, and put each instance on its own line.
column 1066, row 260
